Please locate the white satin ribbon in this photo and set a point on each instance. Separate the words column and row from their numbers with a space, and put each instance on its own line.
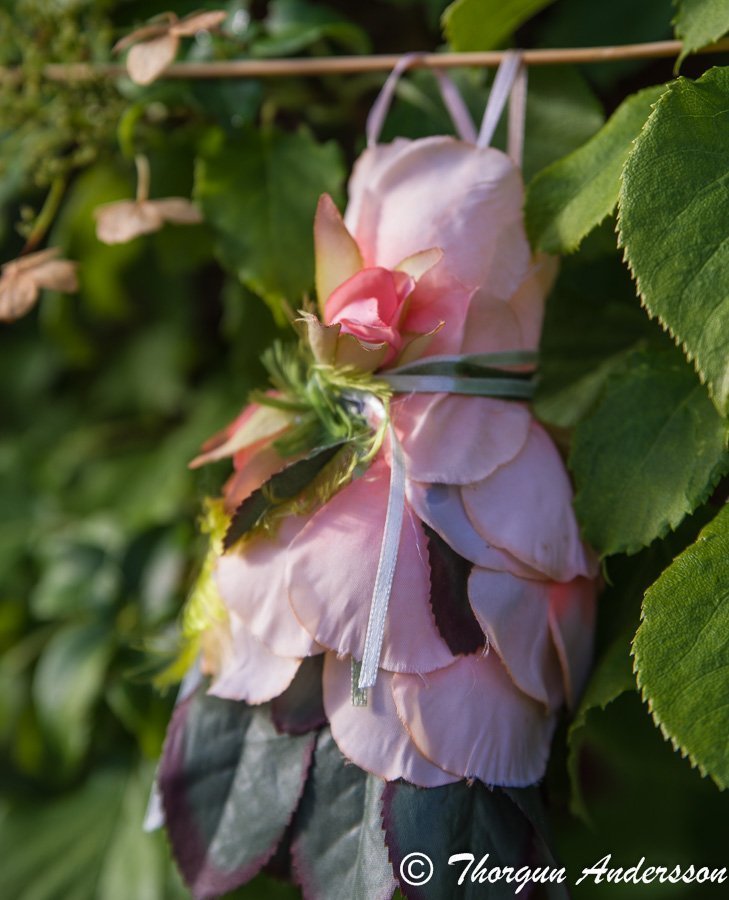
column 385, row 567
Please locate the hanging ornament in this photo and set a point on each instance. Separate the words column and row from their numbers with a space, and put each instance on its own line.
column 396, row 576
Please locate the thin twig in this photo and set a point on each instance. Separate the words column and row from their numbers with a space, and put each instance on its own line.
column 340, row 65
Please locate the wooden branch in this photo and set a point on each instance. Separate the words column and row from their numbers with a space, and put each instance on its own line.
column 343, row 65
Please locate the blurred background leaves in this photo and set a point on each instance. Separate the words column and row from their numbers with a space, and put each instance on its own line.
column 106, row 395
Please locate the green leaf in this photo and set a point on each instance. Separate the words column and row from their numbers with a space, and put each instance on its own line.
column 230, row 786
column 456, row 818
column 700, row 22
column 562, row 114
column 682, row 651
column 68, row 681
column 88, row 843
column 339, row 848
column 294, row 25
column 591, row 325
column 570, row 197
column 617, row 22
column 613, row 676
column 260, row 192
column 531, row 803
column 484, row 24
column 649, row 454
column 674, row 226
column 281, row 487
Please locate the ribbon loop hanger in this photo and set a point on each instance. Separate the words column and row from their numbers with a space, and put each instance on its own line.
column 449, row 92
column 510, row 86
column 506, row 75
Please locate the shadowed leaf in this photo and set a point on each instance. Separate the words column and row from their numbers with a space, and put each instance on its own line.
column 301, row 708
column 230, row 785
column 454, row 617
column 339, row 849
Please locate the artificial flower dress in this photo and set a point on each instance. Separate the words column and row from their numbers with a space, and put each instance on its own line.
column 489, row 626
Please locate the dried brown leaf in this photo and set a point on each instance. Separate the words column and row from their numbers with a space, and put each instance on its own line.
column 205, row 20
column 178, row 210
column 22, row 279
column 18, row 294
column 122, row 221
column 57, row 275
column 146, row 32
column 147, row 61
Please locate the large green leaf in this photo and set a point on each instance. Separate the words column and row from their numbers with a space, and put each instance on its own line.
column 483, row 24
column 682, row 651
column 573, row 195
column 562, row 113
column 674, row 224
column 591, row 325
column 648, row 455
column 294, row 25
column 339, row 849
column 700, row 22
column 68, row 681
column 260, row 192
column 230, row 785
column 89, row 843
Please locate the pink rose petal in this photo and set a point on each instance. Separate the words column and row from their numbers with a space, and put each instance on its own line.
column 440, row 506
column 525, row 508
column 252, row 585
column 438, row 297
column 250, row 671
column 440, row 192
column 331, row 567
column 457, row 439
column 473, row 721
column 513, row 613
column 337, row 254
column 572, row 610
column 372, row 736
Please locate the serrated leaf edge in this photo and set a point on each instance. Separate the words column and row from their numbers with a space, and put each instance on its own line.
column 644, row 302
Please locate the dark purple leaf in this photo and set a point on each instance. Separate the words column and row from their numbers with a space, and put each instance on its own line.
column 230, row 785
column 301, row 708
column 454, row 617
column 457, row 818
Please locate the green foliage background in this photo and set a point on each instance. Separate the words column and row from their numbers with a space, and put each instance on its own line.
column 106, row 395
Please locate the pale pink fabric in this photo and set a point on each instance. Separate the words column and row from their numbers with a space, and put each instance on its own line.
column 525, row 508
column 475, row 722
column 497, row 428
column 331, row 567
column 249, row 671
column 252, row 583
column 374, row 738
